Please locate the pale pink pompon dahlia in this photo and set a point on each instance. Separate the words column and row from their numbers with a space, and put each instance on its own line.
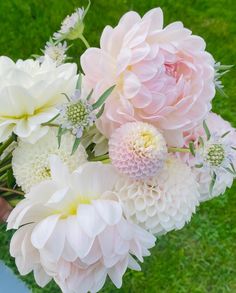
column 163, row 76
column 137, row 150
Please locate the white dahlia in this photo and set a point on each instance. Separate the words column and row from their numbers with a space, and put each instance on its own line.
column 137, row 150
column 164, row 203
column 77, row 228
column 29, row 94
column 30, row 162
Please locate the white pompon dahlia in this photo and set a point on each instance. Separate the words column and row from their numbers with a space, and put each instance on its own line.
column 30, row 162
column 137, row 150
column 164, row 203
column 74, row 230
column 30, row 92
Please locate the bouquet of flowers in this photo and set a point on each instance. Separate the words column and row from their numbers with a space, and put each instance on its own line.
column 99, row 162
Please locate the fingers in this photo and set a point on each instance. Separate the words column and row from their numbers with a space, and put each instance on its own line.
column 5, row 209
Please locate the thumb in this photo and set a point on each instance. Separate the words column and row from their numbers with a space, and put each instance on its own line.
column 5, row 210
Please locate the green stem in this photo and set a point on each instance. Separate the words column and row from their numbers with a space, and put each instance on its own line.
column 11, row 190
column 8, row 166
column 50, row 124
column 6, row 194
column 6, row 144
column 6, row 159
column 178, row 150
column 85, row 41
column 3, row 177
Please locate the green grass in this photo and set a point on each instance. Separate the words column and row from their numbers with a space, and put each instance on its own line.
column 201, row 258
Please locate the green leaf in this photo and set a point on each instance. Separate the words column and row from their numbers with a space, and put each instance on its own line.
column 230, row 171
column 233, row 148
column 79, row 82
column 55, row 117
column 76, row 145
column 103, row 98
column 213, row 181
column 60, row 132
column 207, row 131
column 89, row 95
column 226, row 133
column 199, row 165
column 68, row 99
column 87, row 9
column 192, row 148
column 99, row 114
column 201, row 141
column 233, row 168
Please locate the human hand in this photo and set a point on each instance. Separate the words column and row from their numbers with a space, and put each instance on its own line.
column 5, row 209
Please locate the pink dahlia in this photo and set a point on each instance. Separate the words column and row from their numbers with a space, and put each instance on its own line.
column 163, row 76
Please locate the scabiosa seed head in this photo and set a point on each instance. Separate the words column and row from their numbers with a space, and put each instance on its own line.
column 76, row 115
column 55, row 52
column 72, row 26
column 215, row 154
column 138, row 150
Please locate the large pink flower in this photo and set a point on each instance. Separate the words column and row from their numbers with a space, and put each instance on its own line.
column 163, row 76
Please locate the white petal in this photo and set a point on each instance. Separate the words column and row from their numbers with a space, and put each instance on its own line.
column 41, row 277
column 44, row 230
column 89, row 220
column 79, row 240
column 109, row 210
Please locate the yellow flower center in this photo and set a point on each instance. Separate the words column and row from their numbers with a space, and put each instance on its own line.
column 72, row 208
column 148, row 139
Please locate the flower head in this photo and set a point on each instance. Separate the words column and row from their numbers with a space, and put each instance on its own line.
column 31, row 161
column 164, row 76
column 30, row 92
column 164, row 203
column 56, row 52
column 72, row 26
column 76, row 115
column 138, row 150
column 215, row 157
column 80, row 235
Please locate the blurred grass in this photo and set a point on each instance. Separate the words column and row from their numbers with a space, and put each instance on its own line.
column 201, row 258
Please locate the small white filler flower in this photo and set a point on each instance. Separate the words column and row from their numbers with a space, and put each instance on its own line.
column 72, row 26
column 56, row 52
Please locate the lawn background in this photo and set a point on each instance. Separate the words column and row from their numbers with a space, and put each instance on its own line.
column 200, row 258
